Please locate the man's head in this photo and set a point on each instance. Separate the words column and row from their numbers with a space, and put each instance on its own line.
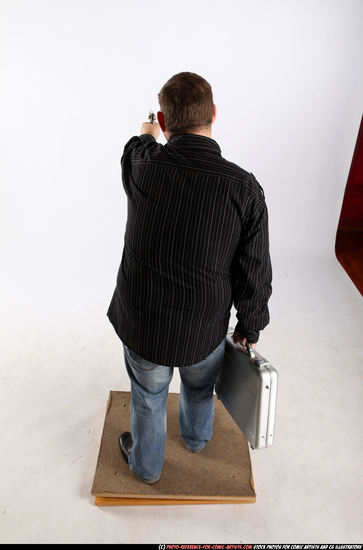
column 186, row 103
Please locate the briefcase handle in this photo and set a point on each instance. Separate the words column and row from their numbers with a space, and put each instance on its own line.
column 250, row 350
column 259, row 361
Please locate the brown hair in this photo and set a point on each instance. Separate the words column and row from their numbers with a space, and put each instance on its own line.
column 186, row 101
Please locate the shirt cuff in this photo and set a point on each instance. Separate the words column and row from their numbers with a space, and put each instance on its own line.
column 146, row 137
column 251, row 336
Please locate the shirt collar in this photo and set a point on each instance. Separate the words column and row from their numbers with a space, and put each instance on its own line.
column 194, row 139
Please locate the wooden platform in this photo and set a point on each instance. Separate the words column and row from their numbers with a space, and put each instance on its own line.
column 220, row 474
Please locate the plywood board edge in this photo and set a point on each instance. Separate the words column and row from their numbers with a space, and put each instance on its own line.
column 135, row 496
column 253, row 483
column 114, row 501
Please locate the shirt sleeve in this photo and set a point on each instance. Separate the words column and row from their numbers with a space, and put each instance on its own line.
column 135, row 147
column 251, row 272
column 135, row 150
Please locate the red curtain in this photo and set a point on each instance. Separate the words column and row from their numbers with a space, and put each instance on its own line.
column 349, row 237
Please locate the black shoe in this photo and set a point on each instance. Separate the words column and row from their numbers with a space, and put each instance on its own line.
column 125, row 441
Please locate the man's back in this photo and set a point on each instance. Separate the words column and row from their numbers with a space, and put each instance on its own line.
column 196, row 242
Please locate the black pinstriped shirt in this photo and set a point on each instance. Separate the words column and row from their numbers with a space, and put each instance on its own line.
column 196, row 242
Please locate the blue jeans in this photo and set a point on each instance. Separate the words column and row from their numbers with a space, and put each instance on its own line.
column 149, row 392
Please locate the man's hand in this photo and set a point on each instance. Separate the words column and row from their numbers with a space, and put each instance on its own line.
column 242, row 340
column 150, row 128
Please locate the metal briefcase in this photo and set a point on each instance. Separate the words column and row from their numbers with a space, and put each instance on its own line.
column 247, row 387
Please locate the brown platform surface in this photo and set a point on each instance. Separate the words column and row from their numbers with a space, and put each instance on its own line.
column 221, row 473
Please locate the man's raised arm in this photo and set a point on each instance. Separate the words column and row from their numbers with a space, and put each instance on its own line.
column 135, row 150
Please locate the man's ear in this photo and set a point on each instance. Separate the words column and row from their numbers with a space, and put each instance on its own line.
column 214, row 112
column 161, row 120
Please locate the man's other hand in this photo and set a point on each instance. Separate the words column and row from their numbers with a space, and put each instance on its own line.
column 242, row 340
column 150, row 128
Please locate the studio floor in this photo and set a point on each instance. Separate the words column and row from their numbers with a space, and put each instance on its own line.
column 60, row 359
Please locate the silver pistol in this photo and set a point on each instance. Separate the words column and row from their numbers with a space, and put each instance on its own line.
column 152, row 117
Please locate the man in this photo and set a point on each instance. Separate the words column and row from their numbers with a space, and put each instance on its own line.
column 196, row 242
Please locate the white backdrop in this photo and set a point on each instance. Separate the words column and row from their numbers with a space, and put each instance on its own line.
column 78, row 77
